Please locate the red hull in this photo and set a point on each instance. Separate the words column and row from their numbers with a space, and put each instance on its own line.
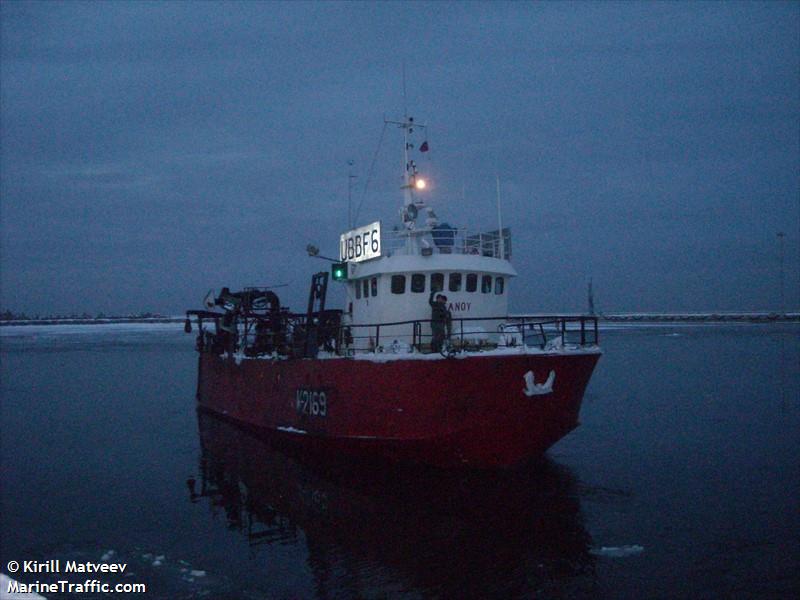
column 447, row 412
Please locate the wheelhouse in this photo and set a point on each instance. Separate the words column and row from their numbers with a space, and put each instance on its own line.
column 472, row 270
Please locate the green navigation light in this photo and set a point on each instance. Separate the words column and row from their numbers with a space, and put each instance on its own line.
column 339, row 271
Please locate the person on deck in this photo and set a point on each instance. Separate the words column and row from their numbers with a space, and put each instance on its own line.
column 441, row 320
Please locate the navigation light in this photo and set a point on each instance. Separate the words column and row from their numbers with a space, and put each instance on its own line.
column 339, row 271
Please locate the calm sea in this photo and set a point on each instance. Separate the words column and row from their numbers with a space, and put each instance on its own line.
column 683, row 481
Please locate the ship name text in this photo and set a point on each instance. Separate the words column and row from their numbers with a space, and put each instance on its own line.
column 459, row 306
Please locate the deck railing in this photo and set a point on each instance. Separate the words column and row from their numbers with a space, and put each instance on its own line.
column 476, row 333
column 256, row 335
column 446, row 240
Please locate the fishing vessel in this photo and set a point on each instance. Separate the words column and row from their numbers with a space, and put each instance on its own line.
column 423, row 363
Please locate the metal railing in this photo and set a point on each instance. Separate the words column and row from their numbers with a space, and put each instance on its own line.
column 255, row 335
column 450, row 241
column 476, row 333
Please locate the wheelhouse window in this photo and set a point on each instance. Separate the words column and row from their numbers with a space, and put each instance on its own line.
column 374, row 286
column 418, row 283
column 398, row 284
column 499, row 284
column 486, row 284
column 366, row 288
column 437, row 282
column 472, row 282
column 358, row 290
column 455, row 282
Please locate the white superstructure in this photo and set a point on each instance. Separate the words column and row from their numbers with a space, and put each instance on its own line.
column 394, row 284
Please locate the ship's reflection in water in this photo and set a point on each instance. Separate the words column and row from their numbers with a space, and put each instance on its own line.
column 385, row 531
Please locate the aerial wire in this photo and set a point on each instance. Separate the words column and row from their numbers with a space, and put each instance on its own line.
column 370, row 172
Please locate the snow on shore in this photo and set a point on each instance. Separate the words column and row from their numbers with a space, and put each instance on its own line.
column 94, row 329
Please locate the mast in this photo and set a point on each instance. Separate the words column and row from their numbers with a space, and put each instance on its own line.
column 408, row 194
column 410, row 179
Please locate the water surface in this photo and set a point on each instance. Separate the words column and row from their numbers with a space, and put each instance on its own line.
column 683, row 481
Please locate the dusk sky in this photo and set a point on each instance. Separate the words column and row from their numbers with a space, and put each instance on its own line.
column 152, row 151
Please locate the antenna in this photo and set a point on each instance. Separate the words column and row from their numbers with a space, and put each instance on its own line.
column 781, row 235
column 405, row 104
column 500, row 221
column 350, row 178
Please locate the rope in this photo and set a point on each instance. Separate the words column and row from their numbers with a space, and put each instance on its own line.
column 371, row 171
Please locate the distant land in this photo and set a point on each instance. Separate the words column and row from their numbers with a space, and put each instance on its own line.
column 750, row 317
column 9, row 318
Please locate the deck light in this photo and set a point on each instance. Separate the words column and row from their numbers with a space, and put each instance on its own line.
column 420, row 184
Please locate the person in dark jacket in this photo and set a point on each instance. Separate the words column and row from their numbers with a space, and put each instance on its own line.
column 441, row 320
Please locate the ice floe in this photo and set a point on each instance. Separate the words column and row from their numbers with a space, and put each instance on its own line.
column 617, row 551
column 291, row 430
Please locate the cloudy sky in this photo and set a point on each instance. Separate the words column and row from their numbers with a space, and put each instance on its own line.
column 151, row 151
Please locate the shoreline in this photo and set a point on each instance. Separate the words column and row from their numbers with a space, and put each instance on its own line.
column 721, row 317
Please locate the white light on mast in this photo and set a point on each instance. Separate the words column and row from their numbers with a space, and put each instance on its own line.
column 420, row 184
